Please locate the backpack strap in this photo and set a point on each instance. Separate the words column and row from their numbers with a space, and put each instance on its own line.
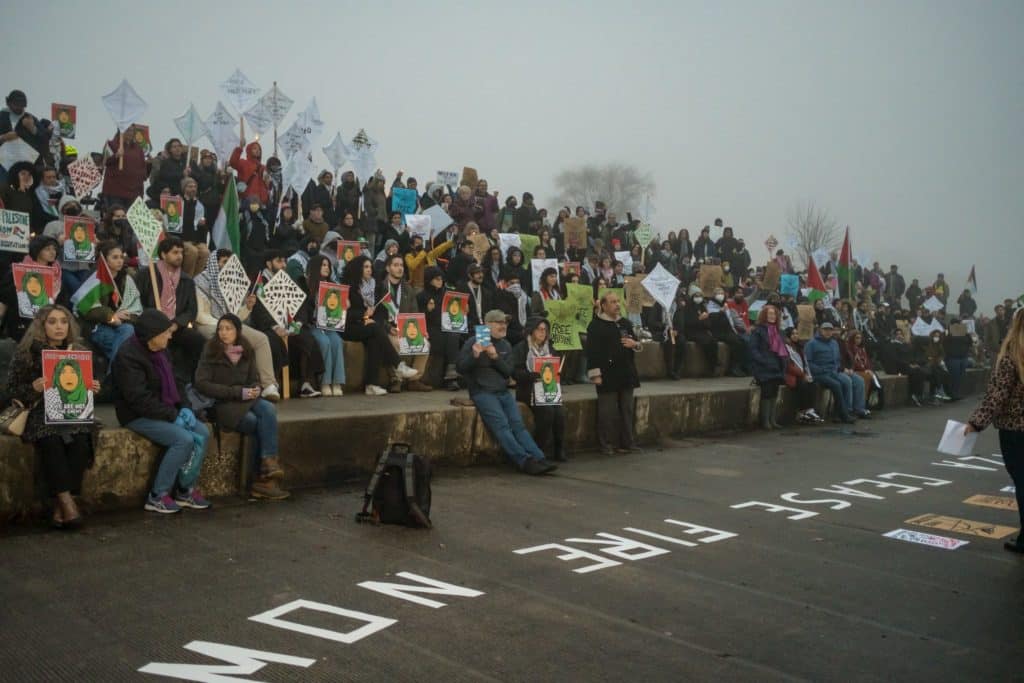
column 371, row 488
column 410, row 491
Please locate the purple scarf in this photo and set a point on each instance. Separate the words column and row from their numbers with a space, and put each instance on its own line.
column 162, row 365
column 776, row 343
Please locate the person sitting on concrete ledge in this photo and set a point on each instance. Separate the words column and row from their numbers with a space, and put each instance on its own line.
column 822, row 355
column 487, row 370
column 151, row 402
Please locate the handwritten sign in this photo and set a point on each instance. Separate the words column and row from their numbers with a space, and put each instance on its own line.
column 562, row 318
column 14, row 231
column 636, row 295
column 805, row 324
column 943, row 542
column 403, row 201
column 449, row 178
column 997, row 502
column 962, row 526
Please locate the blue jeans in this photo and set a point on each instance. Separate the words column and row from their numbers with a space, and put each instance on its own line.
column 71, row 280
column 177, row 440
column 333, row 353
column 848, row 391
column 501, row 417
column 957, row 367
column 109, row 338
column 261, row 424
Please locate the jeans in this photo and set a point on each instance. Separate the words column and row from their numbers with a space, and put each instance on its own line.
column 501, row 417
column 261, row 424
column 848, row 391
column 333, row 353
column 177, row 440
column 71, row 280
column 109, row 338
column 957, row 367
column 1011, row 443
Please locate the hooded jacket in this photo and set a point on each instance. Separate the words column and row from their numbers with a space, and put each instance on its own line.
column 250, row 171
column 822, row 356
column 125, row 183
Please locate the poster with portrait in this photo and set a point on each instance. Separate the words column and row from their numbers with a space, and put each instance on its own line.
column 413, row 339
column 332, row 306
column 454, row 306
column 67, row 392
column 172, row 206
column 139, row 134
column 79, row 239
column 65, row 117
column 547, row 389
column 570, row 268
column 348, row 250
column 35, row 287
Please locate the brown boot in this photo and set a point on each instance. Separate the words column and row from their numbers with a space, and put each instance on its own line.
column 270, row 468
column 268, row 489
column 417, row 385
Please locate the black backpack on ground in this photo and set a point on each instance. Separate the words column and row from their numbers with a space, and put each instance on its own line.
column 399, row 490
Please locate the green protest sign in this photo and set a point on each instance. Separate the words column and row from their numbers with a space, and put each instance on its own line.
column 582, row 299
column 562, row 319
column 643, row 234
column 528, row 243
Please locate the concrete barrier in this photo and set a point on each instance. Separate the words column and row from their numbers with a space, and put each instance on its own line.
column 328, row 441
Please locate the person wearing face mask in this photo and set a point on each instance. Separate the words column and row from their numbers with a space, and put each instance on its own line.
column 697, row 327
column 935, row 366
column 210, row 180
column 72, row 273
column 254, row 231
column 444, row 346
column 728, row 328
column 115, row 227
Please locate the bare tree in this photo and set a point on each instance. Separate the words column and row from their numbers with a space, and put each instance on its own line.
column 812, row 228
column 620, row 186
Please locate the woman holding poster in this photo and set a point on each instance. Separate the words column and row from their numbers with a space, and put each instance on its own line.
column 536, row 371
column 332, row 302
column 33, row 293
column 64, row 446
column 453, row 312
column 79, row 242
column 412, row 334
column 445, row 346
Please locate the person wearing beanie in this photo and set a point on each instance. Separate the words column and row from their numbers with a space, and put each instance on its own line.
column 548, row 420
column 150, row 401
column 444, row 346
column 227, row 373
column 73, row 270
column 488, row 372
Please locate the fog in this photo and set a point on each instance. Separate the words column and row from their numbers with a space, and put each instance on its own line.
column 902, row 119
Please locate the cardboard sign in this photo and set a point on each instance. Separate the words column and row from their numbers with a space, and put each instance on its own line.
column 79, row 239
column 14, row 229
column 997, row 502
column 963, row 526
column 469, row 177
column 172, row 206
column 67, row 393
column 547, row 391
column 35, row 287
column 412, row 334
column 805, row 325
column 348, row 250
column 233, row 282
column 481, row 245
column 772, row 276
column 636, row 295
column 709, row 278
column 582, row 299
column 331, row 307
column 65, row 117
column 575, row 232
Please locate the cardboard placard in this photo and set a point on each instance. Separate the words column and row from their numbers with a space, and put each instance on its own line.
column 636, row 295
column 772, row 276
column 575, row 232
column 709, row 278
column 469, row 177
column 805, row 326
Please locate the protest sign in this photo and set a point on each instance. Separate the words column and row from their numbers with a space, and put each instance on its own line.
column 506, row 240
column 310, row 124
column 297, row 172
column 575, row 232
column 920, row 328
column 770, row 244
column 582, row 299
column 538, row 266
column 222, row 129
column 483, row 335
column 147, row 229
column 419, row 224
column 403, row 201
column 172, row 206
column 239, row 91
column 124, row 105
column 259, row 117
column 528, row 243
column 469, row 177
column 79, row 239
column 453, row 312
column 35, row 287
column 65, row 117
column 413, row 339
column 626, row 259
column 85, row 175
column 933, row 304
column 643, row 234
column 562, row 319
column 570, row 268
column 15, row 151
column 439, row 218
column 139, row 134
column 969, row 326
column 233, row 283
column 335, row 152
column 14, row 228
column 348, row 250
column 616, row 290
column 448, row 178
column 547, row 391
column 331, row 307
column 276, row 103
column 805, row 324
column 282, row 298
column 789, row 285
column 481, row 245
column 709, row 278
column 771, row 277
column 67, row 382
column 662, row 286
column 958, row 330
column 293, row 142
column 636, row 294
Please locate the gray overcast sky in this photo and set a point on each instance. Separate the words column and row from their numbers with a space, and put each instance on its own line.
column 901, row 118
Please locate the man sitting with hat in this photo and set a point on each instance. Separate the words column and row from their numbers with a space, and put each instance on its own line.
column 822, row 356
column 487, row 372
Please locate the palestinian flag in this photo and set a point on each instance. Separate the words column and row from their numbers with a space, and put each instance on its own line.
column 844, row 269
column 91, row 293
column 226, row 232
column 815, row 283
column 972, row 282
column 388, row 305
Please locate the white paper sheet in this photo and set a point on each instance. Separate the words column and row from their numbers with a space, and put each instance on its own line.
column 955, row 442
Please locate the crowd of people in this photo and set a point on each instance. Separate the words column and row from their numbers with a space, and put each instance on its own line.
column 169, row 350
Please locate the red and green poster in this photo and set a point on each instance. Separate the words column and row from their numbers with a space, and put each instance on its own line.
column 67, row 381
column 79, row 238
column 139, row 133
column 172, row 206
column 65, row 117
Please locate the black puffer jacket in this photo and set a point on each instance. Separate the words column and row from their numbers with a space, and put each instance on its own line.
column 137, row 385
column 607, row 357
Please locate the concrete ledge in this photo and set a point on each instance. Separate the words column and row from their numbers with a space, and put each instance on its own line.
column 328, row 441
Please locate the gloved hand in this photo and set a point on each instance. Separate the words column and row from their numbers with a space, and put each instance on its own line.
column 186, row 417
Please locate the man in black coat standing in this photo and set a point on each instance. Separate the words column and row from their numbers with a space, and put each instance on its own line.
column 611, row 366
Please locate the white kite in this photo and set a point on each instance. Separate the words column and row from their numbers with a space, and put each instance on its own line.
column 15, row 151
column 233, row 284
column 222, row 129
column 282, row 298
column 147, row 228
column 661, row 285
column 362, row 153
column 297, row 172
column 239, row 91
column 191, row 126
column 124, row 105
column 335, row 152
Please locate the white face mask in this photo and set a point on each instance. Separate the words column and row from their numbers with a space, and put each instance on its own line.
column 719, row 298
column 698, row 299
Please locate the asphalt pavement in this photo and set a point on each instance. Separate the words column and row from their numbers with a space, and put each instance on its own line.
column 703, row 560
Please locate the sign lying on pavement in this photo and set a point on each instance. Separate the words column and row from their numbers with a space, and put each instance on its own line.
column 962, row 526
column 944, row 542
column 998, row 502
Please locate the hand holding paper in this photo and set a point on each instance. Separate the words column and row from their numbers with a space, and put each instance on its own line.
column 958, row 439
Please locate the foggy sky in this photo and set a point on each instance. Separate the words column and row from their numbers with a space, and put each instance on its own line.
column 903, row 119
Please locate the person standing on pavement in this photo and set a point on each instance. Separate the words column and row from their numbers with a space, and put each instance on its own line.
column 768, row 358
column 611, row 348
column 487, row 371
column 1003, row 406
